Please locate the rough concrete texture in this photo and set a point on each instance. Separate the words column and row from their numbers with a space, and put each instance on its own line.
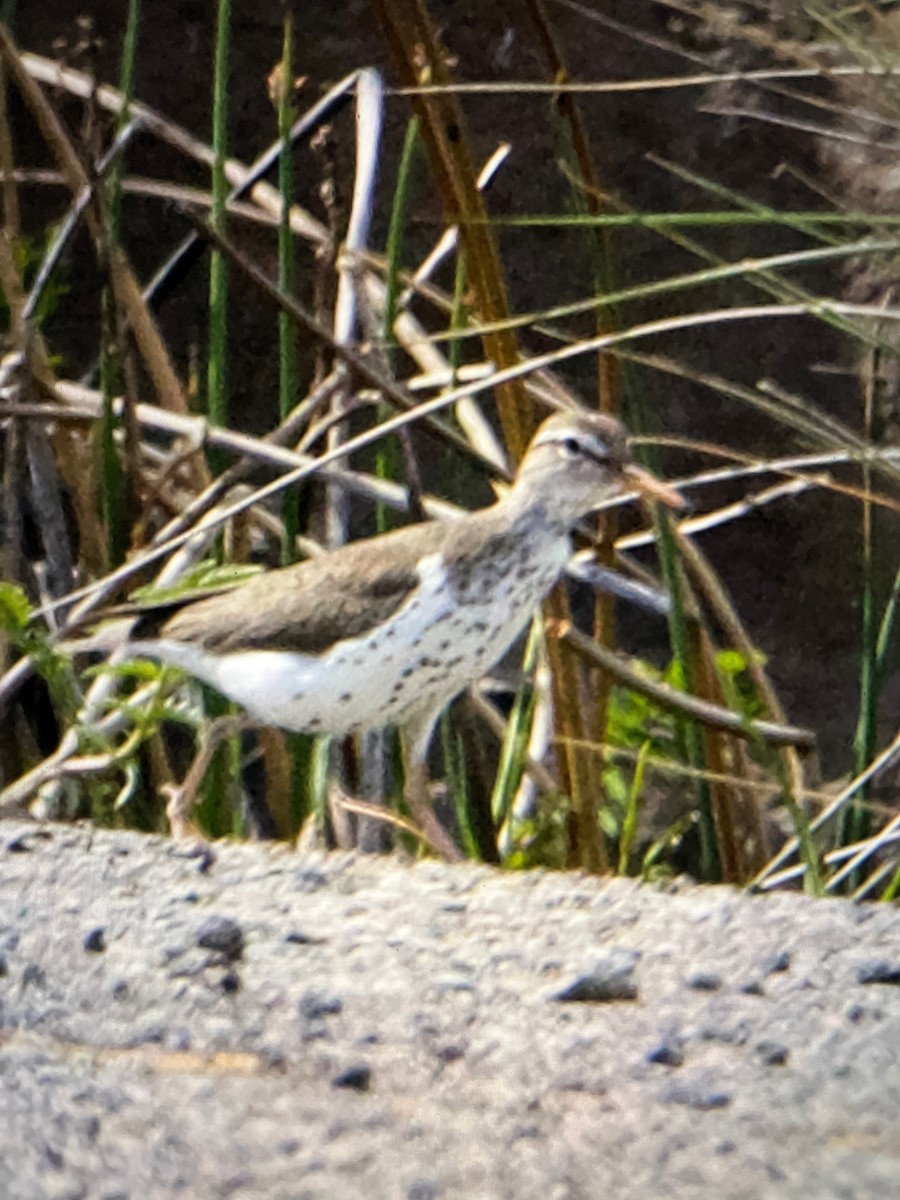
column 304, row 1027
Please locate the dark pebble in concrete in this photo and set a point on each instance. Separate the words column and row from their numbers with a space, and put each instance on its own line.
column 773, row 1054
column 298, row 938
column 705, row 981
column 451, row 1053
column 422, row 1189
column 34, row 976
column 95, row 941
column 357, row 1078
column 667, row 1054
column 779, row 961
column 879, row 971
column 222, row 934
column 696, row 1097
column 611, row 979
column 230, row 983
column 315, row 1004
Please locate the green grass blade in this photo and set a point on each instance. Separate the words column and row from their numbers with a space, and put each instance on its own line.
column 455, row 767
column 386, row 464
column 687, row 731
column 514, row 751
column 113, row 482
column 287, row 333
column 217, row 388
column 632, row 808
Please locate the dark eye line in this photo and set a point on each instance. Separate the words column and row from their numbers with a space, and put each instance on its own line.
column 573, row 446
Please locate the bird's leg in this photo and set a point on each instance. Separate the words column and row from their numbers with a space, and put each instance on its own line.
column 182, row 797
column 415, row 789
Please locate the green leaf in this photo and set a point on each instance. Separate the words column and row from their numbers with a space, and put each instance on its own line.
column 15, row 608
column 208, row 576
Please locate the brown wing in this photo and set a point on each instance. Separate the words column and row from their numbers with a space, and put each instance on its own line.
column 308, row 607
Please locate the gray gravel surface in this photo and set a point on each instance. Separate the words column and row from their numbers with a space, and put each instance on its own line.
column 302, row 1027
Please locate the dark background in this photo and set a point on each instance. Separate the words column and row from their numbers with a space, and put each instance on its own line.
column 793, row 568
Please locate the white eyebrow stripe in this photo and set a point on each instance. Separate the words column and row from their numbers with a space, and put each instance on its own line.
column 593, row 447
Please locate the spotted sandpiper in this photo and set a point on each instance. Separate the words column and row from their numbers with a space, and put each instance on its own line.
column 386, row 631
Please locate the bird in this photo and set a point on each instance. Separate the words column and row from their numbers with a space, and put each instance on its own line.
column 387, row 630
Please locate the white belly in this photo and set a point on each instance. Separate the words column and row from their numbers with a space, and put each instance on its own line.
column 429, row 652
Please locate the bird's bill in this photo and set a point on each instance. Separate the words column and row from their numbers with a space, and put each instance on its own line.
column 651, row 488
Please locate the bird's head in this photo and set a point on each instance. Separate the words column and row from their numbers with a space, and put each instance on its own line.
column 578, row 460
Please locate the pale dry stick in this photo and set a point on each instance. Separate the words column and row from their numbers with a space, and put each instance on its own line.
column 369, row 103
column 156, row 189
column 497, row 724
column 449, row 239
column 834, row 435
column 826, row 482
column 50, row 770
column 69, row 224
column 885, row 837
column 216, row 491
column 27, row 366
column 636, row 589
column 792, row 467
column 265, row 196
column 87, row 402
column 442, row 375
column 885, row 759
column 386, row 816
column 815, row 128
column 718, row 517
column 369, row 106
column 77, row 83
column 264, row 520
column 428, row 408
column 869, row 884
column 664, row 83
column 539, row 746
column 858, row 851
column 730, row 271
column 776, row 733
column 747, row 466
column 147, row 338
column 86, row 405
column 254, row 174
column 726, row 613
column 407, row 331
column 676, row 770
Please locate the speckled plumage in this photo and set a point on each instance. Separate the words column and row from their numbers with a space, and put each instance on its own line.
column 388, row 630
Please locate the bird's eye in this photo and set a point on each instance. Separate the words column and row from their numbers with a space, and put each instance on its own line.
column 572, row 446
